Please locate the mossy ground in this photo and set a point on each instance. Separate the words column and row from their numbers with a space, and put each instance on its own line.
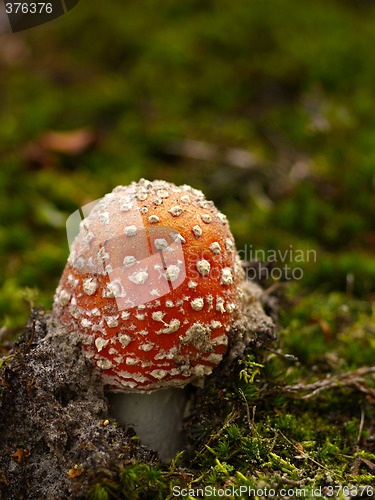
column 280, row 424
column 281, row 94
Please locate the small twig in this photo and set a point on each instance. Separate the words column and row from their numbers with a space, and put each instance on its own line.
column 273, row 287
column 290, row 481
column 253, row 419
column 4, row 359
column 360, row 425
column 31, row 336
column 289, row 357
column 305, row 455
column 247, row 408
column 349, row 379
column 220, row 431
column 3, row 331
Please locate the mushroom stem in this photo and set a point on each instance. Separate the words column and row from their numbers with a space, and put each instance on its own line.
column 157, row 417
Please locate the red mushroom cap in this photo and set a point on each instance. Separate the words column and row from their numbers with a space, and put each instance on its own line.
column 152, row 284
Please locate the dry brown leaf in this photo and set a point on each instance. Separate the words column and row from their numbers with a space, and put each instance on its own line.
column 70, row 142
column 74, row 472
column 21, row 455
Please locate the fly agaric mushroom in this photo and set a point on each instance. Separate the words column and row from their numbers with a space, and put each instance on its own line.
column 152, row 286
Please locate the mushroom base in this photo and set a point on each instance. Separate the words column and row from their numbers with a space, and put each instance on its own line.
column 157, row 418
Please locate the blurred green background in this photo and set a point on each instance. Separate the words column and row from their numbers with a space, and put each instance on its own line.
column 267, row 106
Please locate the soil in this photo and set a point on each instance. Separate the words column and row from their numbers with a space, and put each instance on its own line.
column 56, row 433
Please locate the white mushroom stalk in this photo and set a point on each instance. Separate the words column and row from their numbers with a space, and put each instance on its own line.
column 157, row 418
column 152, row 286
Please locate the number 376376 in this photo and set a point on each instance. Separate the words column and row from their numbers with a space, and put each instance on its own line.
column 28, row 8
